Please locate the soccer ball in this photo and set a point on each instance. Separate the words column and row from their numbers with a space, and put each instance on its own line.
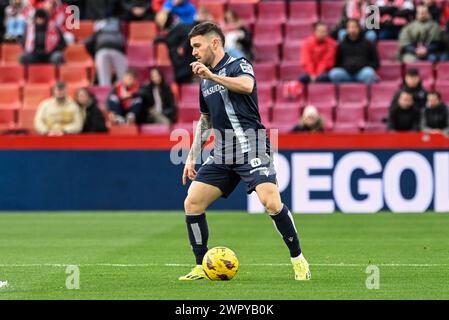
column 220, row 263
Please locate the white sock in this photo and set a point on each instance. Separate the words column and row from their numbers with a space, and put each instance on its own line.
column 300, row 257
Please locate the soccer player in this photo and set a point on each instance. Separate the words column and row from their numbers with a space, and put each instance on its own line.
column 228, row 103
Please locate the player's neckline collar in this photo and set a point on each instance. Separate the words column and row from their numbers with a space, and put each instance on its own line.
column 222, row 62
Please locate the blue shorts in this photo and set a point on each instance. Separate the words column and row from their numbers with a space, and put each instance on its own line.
column 226, row 177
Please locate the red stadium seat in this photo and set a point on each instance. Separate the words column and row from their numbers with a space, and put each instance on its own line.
column 155, row 129
column 265, row 115
column 216, row 8
column 391, row 72
column 77, row 54
column 283, row 96
column 331, row 11
column 142, row 32
column 265, row 72
column 10, row 54
column 272, row 11
column 101, row 93
column 85, row 30
column 26, row 119
column 125, row 130
column 189, row 113
column 10, row 97
column 288, row 113
column 304, row 11
column 7, row 119
column 382, row 94
column 266, row 52
column 12, row 74
column 267, row 32
column 75, row 76
column 265, row 95
column 321, row 95
column 352, row 95
column 442, row 73
column 327, row 115
column 350, row 115
column 378, row 114
column 290, row 70
column 162, row 56
column 281, row 127
column 297, row 31
column 375, row 127
column 291, row 52
column 443, row 88
column 33, row 95
column 140, row 55
column 41, row 74
column 388, row 50
column 245, row 10
column 346, row 128
column 190, row 95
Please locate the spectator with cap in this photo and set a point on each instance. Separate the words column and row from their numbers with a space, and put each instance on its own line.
column 310, row 121
column 58, row 115
column 44, row 41
column 404, row 114
column 435, row 115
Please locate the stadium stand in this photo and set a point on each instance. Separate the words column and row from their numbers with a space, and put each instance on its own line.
column 278, row 29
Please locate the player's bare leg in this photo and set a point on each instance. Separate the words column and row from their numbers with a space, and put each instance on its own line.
column 270, row 197
column 200, row 196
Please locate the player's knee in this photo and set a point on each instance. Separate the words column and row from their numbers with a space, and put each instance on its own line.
column 192, row 205
column 272, row 205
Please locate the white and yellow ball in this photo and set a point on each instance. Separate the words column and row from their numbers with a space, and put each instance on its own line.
column 220, row 263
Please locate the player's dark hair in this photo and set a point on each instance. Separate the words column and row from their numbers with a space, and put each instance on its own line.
column 205, row 28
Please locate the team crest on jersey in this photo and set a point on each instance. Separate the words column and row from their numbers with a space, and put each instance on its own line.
column 222, row 72
column 247, row 68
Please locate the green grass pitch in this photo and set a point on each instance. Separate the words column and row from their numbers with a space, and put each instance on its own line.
column 140, row 256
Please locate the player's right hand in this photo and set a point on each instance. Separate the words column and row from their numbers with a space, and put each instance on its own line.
column 189, row 172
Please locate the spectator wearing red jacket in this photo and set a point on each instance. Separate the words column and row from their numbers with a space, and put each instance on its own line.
column 318, row 55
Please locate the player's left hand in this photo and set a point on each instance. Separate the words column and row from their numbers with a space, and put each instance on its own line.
column 201, row 70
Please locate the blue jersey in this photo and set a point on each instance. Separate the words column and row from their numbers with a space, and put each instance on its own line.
column 235, row 117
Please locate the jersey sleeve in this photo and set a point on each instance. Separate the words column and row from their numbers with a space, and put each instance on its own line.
column 242, row 68
column 204, row 109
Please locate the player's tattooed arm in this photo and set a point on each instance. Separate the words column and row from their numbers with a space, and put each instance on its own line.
column 201, row 135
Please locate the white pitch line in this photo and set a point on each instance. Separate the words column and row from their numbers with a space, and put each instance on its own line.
column 147, row 265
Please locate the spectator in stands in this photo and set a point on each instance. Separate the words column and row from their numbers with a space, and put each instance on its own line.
column 125, row 101
column 404, row 114
column 107, row 46
column 413, row 84
column 15, row 21
column 238, row 39
column 310, row 121
column 93, row 118
column 58, row 115
column 355, row 9
column 435, row 116
column 160, row 99
column 44, row 41
column 101, row 9
column 318, row 54
column 357, row 58
column 434, row 9
column 421, row 39
column 3, row 5
column 137, row 10
column 183, row 9
column 57, row 12
column 175, row 36
column 394, row 14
